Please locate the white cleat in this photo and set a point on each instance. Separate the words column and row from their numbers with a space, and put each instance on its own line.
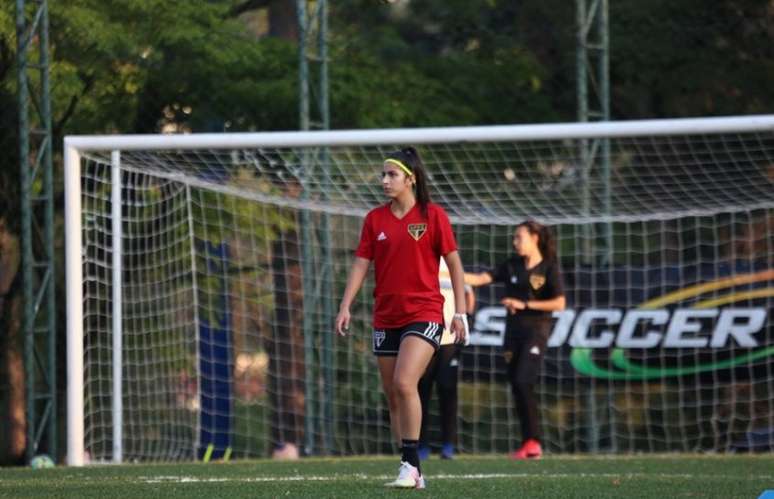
column 408, row 478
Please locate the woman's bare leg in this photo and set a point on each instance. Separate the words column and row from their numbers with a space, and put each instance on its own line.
column 413, row 357
column 387, row 372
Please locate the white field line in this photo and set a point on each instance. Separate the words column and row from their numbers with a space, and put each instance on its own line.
column 474, row 476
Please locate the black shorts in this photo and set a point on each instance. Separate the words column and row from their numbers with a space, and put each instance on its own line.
column 387, row 341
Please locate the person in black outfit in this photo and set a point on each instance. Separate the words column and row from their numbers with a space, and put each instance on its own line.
column 533, row 290
column 285, row 346
column 443, row 373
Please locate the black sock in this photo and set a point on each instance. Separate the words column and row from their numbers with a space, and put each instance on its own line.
column 410, row 455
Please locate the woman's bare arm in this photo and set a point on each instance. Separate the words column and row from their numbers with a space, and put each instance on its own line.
column 356, row 277
column 478, row 279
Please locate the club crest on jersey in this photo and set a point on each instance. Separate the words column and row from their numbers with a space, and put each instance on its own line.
column 508, row 355
column 537, row 281
column 379, row 336
column 417, row 230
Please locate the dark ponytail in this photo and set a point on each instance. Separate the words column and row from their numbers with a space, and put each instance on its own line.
column 410, row 157
column 546, row 240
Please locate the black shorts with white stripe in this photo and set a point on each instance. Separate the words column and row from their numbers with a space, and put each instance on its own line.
column 387, row 341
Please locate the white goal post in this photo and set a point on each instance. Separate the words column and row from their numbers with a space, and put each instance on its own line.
column 505, row 174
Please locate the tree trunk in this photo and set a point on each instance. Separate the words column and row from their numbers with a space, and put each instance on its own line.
column 10, row 321
column 14, row 360
column 283, row 21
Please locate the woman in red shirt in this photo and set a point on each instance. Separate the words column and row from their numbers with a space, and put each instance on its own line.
column 406, row 238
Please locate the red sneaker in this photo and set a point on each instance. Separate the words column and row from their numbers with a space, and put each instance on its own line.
column 530, row 450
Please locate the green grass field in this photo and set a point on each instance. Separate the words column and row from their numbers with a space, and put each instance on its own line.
column 661, row 476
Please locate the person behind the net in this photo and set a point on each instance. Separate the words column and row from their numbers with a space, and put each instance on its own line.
column 405, row 238
column 443, row 374
column 533, row 289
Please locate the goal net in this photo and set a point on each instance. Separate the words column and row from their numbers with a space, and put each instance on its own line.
column 204, row 273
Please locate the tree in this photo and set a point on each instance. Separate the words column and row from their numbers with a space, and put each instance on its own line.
column 686, row 59
column 12, row 368
column 10, row 326
column 432, row 63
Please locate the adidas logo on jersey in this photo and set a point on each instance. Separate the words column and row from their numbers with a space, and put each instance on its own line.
column 382, row 237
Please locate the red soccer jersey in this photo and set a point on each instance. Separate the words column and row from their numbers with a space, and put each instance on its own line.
column 406, row 253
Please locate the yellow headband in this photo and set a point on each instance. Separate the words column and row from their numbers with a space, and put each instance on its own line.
column 401, row 165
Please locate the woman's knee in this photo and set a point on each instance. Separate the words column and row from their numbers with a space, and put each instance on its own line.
column 403, row 388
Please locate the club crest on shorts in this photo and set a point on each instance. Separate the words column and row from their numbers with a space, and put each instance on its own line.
column 379, row 336
column 537, row 281
column 417, row 230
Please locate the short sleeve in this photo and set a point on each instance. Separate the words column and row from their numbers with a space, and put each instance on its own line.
column 365, row 249
column 501, row 273
column 554, row 286
column 445, row 242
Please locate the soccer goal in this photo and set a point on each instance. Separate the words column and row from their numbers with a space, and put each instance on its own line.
column 204, row 273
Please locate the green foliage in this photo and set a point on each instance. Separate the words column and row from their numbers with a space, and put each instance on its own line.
column 687, row 59
column 151, row 62
column 431, row 63
column 137, row 65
